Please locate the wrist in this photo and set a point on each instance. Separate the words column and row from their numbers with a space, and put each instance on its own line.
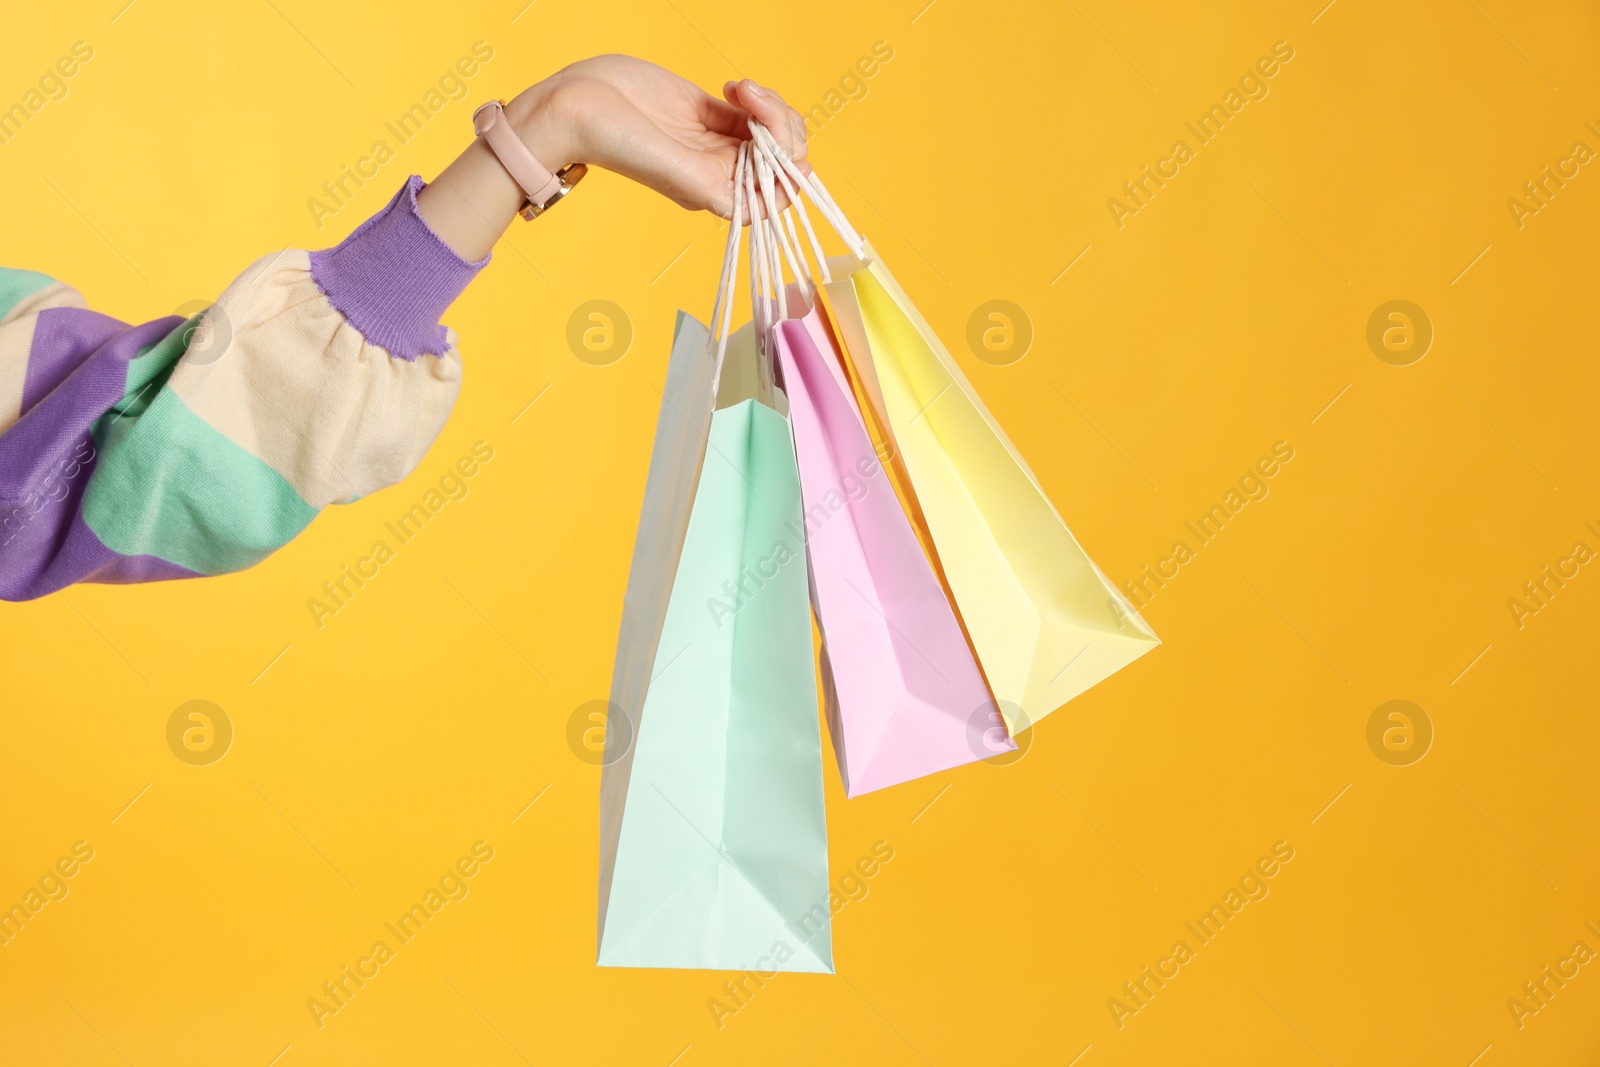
column 472, row 202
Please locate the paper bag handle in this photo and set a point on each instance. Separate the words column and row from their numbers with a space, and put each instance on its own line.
column 791, row 176
column 722, row 305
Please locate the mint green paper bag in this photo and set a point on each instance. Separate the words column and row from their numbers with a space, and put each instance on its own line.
column 713, row 847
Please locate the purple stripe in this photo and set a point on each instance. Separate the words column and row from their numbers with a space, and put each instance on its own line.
column 61, row 337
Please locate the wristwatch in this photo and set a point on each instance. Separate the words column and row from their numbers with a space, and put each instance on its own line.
column 543, row 189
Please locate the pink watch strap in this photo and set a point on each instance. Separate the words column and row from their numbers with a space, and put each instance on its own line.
column 489, row 121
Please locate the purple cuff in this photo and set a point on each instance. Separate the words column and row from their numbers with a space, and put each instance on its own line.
column 393, row 278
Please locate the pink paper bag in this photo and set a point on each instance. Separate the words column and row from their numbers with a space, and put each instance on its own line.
column 903, row 693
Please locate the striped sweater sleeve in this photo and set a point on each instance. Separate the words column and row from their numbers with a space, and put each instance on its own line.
column 175, row 448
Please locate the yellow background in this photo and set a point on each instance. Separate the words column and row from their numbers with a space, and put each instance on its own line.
column 1223, row 317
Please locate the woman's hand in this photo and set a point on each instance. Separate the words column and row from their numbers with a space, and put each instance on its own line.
column 648, row 124
column 625, row 115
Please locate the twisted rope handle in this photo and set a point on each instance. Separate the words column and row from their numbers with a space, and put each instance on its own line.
column 722, row 305
column 761, row 166
column 812, row 184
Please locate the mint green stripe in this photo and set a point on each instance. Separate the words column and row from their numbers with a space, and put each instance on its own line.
column 146, row 374
column 17, row 285
column 169, row 485
column 154, row 362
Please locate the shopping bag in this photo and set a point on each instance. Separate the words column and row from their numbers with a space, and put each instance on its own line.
column 713, row 850
column 901, row 687
column 1044, row 621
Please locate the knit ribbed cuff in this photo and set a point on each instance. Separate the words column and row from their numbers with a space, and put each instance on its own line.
column 393, row 278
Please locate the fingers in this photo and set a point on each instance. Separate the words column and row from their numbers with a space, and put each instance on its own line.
column 769, row 109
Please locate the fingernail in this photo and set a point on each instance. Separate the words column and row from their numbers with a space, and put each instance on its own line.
column 755, row 90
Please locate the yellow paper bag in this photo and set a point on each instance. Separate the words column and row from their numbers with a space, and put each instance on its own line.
column 1044, row 621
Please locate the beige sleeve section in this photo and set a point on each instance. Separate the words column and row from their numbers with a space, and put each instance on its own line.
column 279, row 372
column 16, row 341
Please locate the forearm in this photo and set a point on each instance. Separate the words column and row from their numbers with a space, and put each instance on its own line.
column 325, row 376
column 133, row 453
